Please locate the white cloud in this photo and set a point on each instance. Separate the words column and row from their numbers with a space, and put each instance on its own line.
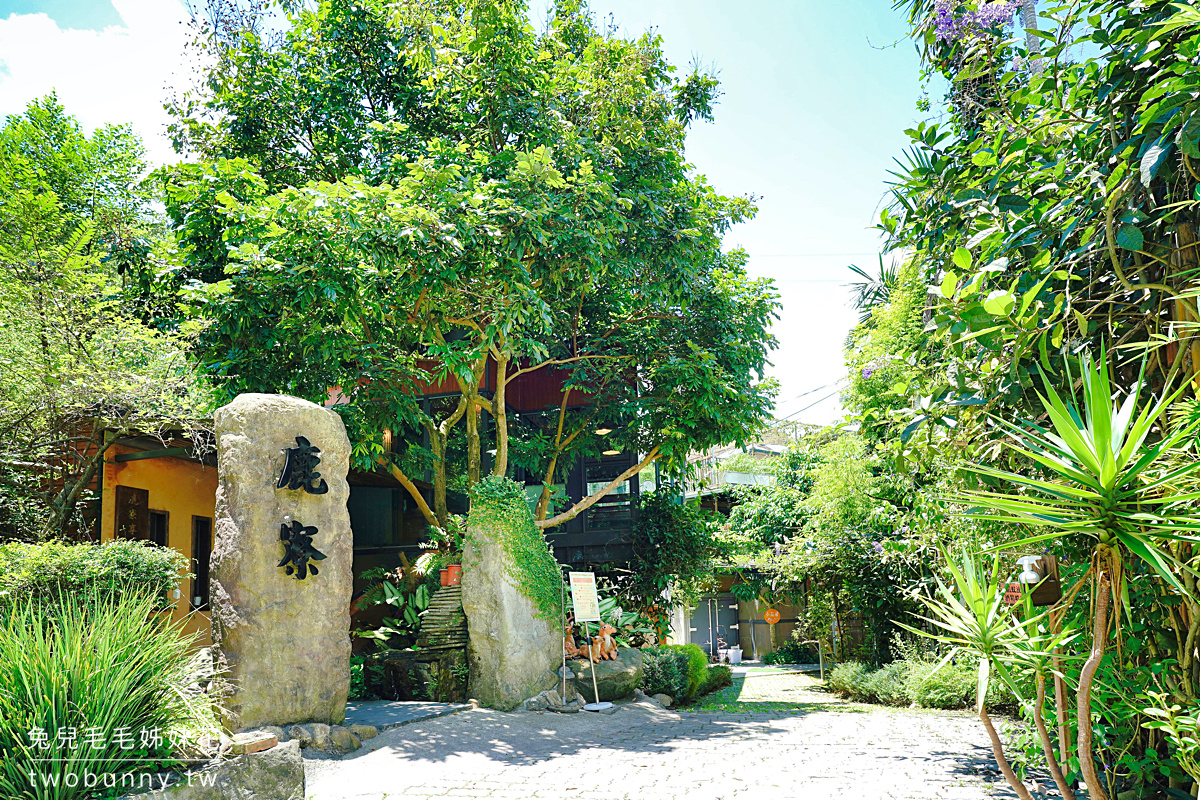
column 121, row 74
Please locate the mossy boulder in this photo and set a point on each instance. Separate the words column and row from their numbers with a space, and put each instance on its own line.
column 615, row 679
column 509, row 577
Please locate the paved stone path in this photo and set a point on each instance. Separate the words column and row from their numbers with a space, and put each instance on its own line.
column 771, row 735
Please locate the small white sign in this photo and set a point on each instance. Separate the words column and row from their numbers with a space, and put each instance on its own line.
column 583, row 595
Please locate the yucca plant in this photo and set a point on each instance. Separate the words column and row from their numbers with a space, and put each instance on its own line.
column 1106, row 482
column 88, row 672
column 973, row 620
column 1031, row 651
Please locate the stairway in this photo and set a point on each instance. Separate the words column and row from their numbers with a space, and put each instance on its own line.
column 443, row 623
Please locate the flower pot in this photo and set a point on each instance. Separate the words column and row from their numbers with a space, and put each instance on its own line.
column 454, row 575
column 445, row 575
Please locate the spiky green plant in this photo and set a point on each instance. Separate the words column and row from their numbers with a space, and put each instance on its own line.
column 102, row 670
column 973, row 620
column 1106, row 481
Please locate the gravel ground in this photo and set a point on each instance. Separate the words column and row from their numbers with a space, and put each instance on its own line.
column 773, row 734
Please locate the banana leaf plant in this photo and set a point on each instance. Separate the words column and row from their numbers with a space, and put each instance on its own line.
column 1107, row 481
column 973, row 620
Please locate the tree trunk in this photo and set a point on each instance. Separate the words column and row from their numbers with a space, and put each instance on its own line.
column 1083, row 699
column 437, row 445
column 501, row 466
column 62, row 507
column 998, row 753
column 1060, row 698
column 1047, row 746
column 590, row 500
column 473, row 447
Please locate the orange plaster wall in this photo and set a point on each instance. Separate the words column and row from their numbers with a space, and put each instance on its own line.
column 181, row 488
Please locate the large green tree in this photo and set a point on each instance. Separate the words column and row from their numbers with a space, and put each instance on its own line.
column 392, row 195
column 77, row 370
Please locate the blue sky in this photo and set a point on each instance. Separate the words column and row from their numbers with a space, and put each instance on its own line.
column 816, row 97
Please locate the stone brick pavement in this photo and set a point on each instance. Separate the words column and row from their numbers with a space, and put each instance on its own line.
column 771, row 735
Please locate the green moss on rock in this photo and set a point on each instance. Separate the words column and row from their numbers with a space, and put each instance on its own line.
column 498, row 505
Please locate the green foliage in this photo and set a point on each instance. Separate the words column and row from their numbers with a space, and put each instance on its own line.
column 716, row 676
column 697, row 667
column 473, row 190
column 363, row 675
column 665, row 671
column 947, row 686
column 42, row 573
column 826, row 527
column 1106, row 476
column 791, row 652
column 849, row 679
column 498, row 506
column 889, row 685
column 902, row 683
column 80, row 369
column 89, row 662
column 673, row 548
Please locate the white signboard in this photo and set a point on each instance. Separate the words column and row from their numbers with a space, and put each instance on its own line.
column 583, row 595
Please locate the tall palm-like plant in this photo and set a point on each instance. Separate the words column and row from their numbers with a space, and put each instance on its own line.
column 974, row 621
column 1106, row 482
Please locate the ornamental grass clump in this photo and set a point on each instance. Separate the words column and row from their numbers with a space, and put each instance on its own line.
column 91, row 687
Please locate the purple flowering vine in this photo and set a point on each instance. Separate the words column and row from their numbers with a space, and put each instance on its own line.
column 951, row 26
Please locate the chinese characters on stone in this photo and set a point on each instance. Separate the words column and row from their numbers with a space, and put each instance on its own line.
column 300, row 472
column 300, row 468
column 298, row 549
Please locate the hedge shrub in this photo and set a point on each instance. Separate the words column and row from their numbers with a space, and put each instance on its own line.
column 849, row 679
column 791, row 653
column 697, row 664
column 664, row 671
column 52, row 569
column 951, row 686
column 889, row 685
column 716, row 676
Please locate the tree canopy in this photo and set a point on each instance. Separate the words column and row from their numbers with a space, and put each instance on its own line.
column 395, row 195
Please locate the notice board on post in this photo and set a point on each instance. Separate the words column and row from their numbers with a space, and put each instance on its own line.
column 583, row 595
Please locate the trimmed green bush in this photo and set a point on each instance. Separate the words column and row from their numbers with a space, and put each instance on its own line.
column 716, row 676
column 697, row 664
column 109, row 665
column 791, row 653
column 664, row 671
column 52, row 569
column 951, row 686
column 889, row 685
column 849, row 679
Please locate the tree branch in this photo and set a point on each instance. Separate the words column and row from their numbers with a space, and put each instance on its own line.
column 586, row 503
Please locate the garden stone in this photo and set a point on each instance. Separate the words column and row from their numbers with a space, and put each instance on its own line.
column 364, row 732
column 283, row 643
column 341, row 741
column 513, row 652
column 322, row 738
column 302, row 734
column 663, row 700
column 615, row 679
column 275, row 731
column 253, row 742
column 537, row 703
column 277, row 774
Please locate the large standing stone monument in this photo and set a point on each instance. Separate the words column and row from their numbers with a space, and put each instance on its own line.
column 281, row 562
column 514, row 649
